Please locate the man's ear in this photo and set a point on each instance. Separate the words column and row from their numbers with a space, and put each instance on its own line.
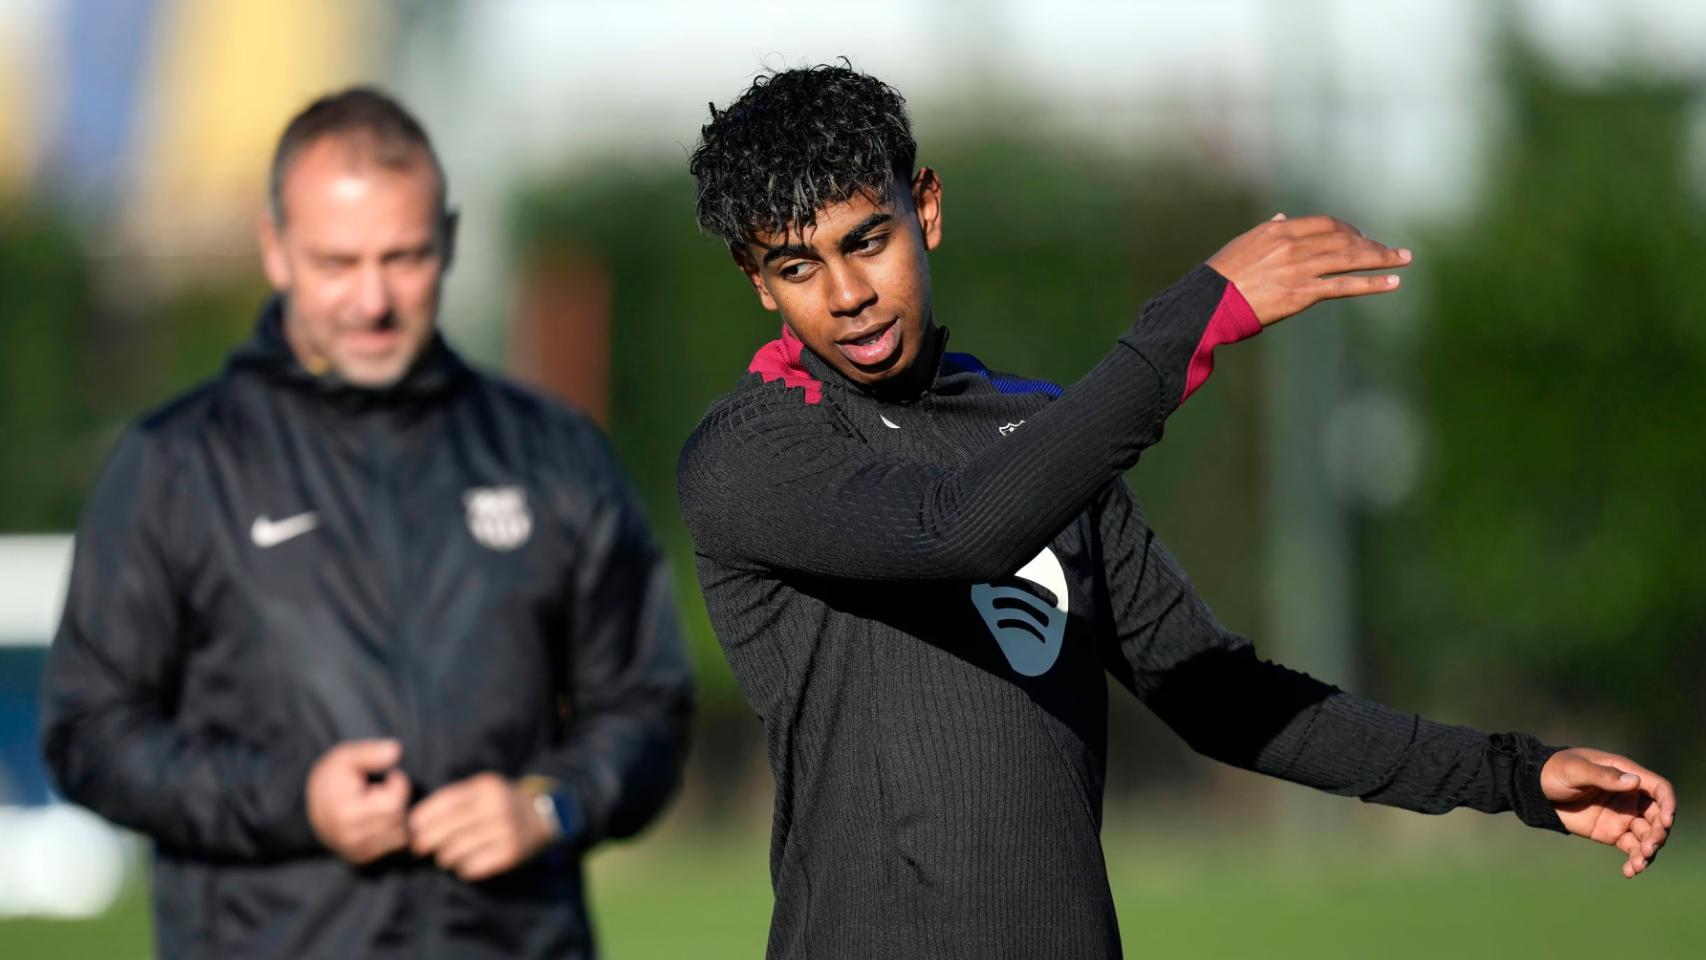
column 743, row 260
column 273, row 260
column 927, row 203
column 448, row 223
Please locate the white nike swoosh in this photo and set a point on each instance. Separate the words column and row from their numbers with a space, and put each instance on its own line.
column 888, row 423
column 270, row 533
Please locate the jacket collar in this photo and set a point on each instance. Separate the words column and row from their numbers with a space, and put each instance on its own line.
column 884, row 392
column 434, row 374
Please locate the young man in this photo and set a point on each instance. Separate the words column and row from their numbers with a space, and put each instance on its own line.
column 921, row 569
column 371, row 644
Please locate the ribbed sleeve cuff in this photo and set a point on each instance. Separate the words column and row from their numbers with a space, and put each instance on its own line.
column 1522, row 756
column 1234, row 320
column 1173, row 325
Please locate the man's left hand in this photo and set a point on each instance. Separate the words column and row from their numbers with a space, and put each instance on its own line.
column 1613, row 800
column 479, row 827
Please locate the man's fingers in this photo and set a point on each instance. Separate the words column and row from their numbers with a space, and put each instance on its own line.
column 1317, row 224
column 1638, row 860
column 1607, row 778
column 371, row 756
column 393, row 791
column 487, row 863
column 1578, row 776
column 387, row 841
column 458, row 848
column 1662, row 793
column 1655, row 811
column 432, row 824
column 428, row 836
column 1336, row 288
column 367, row 842
column 441, row 803
column 358, row 827
column 1658, row 788
column 1630, row 846
column 1332, row 257
column 1652, row 837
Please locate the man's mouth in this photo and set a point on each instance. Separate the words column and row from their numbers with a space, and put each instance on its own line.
column 874, row 346
column 378, row 339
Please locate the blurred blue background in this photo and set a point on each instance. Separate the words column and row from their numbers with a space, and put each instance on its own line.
column 1478, row 498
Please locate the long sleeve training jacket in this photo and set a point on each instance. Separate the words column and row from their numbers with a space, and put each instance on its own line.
column 922, row 598
column 275, row 563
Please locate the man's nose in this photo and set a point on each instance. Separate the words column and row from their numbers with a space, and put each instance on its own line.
column 373, row 295
column 850, row 293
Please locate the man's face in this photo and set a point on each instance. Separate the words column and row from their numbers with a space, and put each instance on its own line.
column 359, row 258
column 855, row 287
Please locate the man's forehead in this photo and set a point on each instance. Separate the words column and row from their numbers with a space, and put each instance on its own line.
column 831, row 221
column 347, row 165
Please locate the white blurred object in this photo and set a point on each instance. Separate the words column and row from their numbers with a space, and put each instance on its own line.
column 1374, row 450
column 61, row 861
column 33, row 575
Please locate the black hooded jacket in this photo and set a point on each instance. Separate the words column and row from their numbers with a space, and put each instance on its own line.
column 276, row 562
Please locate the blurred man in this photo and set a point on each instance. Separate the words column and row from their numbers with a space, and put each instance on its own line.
column 373, row 645
column 921, row 570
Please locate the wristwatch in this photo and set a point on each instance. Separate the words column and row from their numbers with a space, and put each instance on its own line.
column 553, row 806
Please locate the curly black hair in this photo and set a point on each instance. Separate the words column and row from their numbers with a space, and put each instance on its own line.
column 795, row 142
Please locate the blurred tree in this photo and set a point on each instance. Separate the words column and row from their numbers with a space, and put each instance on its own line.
column 1553, row 548
column 44, row 306
column 86, row 352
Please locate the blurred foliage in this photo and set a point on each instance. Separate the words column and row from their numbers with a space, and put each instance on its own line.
column 85, row 354
column 1048, row 254
column 1554, row 544
column 44, row 306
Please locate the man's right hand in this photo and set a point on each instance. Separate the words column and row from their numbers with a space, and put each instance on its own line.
column 356, row 818
column 1284, row 267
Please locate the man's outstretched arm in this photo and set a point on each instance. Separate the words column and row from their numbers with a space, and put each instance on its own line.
column 766, row 482
column 1209, row 686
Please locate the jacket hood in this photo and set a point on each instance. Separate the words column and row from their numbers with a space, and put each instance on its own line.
column 436, row 372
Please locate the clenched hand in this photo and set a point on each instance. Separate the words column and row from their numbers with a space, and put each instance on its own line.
column 356, row 818
column 1613, row 800
column 479, row 827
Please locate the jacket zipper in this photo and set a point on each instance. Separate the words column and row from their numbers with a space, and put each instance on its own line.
column 928, row 402
column 388, row 544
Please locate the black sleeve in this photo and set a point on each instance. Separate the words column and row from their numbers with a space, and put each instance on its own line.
column 1209, row 687
column 111, row 685
column 630, row 683
column 771, row 482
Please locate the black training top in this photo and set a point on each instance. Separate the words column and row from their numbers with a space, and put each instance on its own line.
column 921, row 596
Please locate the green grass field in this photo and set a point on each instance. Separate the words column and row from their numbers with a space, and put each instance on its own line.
column 1424, row 890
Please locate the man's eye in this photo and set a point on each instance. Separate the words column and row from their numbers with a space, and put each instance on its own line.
column 872, row 244
column 798, row 270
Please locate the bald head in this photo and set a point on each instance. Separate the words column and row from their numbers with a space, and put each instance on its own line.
column 364, row 127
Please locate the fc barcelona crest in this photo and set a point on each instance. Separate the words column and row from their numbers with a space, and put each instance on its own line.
column 498, row 516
